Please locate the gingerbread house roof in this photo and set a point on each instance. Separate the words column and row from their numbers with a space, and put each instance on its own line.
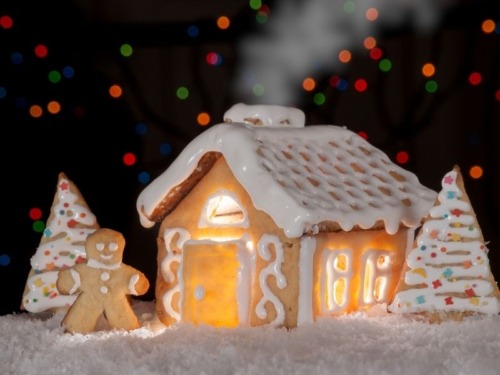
column 302, row 177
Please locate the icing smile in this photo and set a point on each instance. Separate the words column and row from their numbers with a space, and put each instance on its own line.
column 107, row 257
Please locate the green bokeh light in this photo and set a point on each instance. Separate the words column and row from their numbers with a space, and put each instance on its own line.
column 126, row 50
column 182, row 92
column 54, row 76
column 385, row 65
column 431, row 86
column 349, row 6
column 258, row 89
column 255, row 4
column 38, row 226
column 319, row 98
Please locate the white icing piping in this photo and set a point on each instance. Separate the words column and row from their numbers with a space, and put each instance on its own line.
column 76, row 281
column 167, row 273
column 92, row 263
column 131, row 285
column 330, row 275
column 307, row 249
column 273, row 269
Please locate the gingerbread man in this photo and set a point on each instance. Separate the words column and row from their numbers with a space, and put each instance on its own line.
column 104, row 283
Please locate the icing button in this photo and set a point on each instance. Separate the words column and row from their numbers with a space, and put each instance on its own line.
column 105, row 276
column 104, row 290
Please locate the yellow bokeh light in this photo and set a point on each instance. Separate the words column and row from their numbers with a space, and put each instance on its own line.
column 54, row 107
column 36, row 111
column 488, row 26
column 203, row 119
column 308, row 84
column 476, row 172
column 370, row 42
column 372, row 14
column 428, row 70
column 115, row 91
column 223, row 22
column 345, row 56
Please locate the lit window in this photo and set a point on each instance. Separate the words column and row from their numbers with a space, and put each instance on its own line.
column 338, row 273
column 376, row 276
column 223, row 209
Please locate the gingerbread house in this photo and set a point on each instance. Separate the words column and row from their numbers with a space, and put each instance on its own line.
column 263, row 220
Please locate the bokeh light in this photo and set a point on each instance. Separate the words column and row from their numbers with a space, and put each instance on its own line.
column 475, row 78
column 342, row 84
column 349, row 6
column 182, row 92
column 203, row 119
column 35, row 213
column 165, row 149
column 431, row 86
column 497, row 95
column 16, row 58
column 213, row 58
column 370, row 42
column 376, row 53
column 255, row 4
column 141, row 128
column 144, row 177
column 258, row 89
column 476, row 172
column 402, row 157
column 223, row 22
column 360, row 85
column 3, row 92
column 126, row 50
column 428, row 69
column 53, row 107
column 345, row 56
column 363, row 135
column 309, row 84
column 193, row 31
column 372, row 14
column 4, row 260
column 385, row 65
column 115, row 91
column 129, row 159
column 41, row 51
column 38, row 226
column 6, row 22
column 488, row 26
column 319, row 98
column 54, row 76
column 68, row 72
column 36, row 111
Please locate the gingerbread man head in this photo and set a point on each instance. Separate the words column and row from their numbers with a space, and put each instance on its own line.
column 105, row 246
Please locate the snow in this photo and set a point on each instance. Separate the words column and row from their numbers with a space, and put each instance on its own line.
column 373, row 342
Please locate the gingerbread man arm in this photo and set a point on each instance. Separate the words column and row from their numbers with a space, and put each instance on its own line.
column 138, row 283
column 68, row 281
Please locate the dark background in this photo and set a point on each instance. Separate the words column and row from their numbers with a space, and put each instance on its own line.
column 276, row 45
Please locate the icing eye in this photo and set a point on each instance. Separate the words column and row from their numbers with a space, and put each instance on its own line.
column 113, row 246
column 99, row 246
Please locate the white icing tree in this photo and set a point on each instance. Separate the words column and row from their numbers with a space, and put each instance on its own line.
column 62, row 245
column 447, row 271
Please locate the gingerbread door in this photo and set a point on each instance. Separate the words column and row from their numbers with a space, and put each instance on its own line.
column 215, row 282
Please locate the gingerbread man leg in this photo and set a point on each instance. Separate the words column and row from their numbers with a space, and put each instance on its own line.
column 86, row 306
column 120, row 315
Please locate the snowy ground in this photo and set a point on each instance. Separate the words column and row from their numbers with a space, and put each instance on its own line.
column 371, row 343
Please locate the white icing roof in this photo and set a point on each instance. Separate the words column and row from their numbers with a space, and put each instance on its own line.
column 304, row 176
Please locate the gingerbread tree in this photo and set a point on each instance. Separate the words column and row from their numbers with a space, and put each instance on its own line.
column 447, row 272
column 62, row 246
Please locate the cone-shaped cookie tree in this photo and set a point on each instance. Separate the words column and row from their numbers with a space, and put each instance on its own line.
column 62, row 245
column 447, row 271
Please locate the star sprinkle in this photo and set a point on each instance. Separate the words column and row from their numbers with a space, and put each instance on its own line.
column 448, row 300
column 436, row 284
column 470, row 292
column 447, row 273
column 448, row 180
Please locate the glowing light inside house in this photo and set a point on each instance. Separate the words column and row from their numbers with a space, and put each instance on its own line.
column 224, row 210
